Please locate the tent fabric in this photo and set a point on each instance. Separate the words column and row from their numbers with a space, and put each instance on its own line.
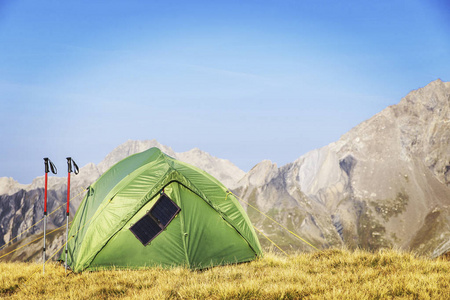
column 210, row 229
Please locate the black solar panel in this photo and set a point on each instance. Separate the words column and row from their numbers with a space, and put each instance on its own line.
column 164, row 210
column 152, row 223
column 146, row 229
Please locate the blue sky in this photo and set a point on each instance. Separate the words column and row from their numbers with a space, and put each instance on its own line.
column 242, row 80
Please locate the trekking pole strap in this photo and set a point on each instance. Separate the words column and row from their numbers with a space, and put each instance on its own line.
column 76, row 170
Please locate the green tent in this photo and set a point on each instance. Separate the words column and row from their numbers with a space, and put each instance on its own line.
column 152, row 210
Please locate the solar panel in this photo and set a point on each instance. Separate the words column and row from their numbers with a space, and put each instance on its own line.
column 154, row 222
column 146, row 229
column 164, row 210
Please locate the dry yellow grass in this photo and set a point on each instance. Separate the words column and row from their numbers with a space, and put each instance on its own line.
column 330, row 274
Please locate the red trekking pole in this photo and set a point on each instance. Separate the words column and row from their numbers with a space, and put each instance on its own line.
column 47, row 163
column 70, row 162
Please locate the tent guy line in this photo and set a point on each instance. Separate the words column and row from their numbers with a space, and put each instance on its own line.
column 279, row 224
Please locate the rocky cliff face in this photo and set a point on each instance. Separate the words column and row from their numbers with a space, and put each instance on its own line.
column 22, row 205
column 383, row 184
column 386, row 183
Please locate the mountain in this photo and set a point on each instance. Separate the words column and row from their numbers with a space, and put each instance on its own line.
column 21, row 206
column 385, row 183
column 222, row 169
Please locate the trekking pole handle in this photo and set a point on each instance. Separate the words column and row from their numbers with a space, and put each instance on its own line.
column 70, row 163
column 48, row 163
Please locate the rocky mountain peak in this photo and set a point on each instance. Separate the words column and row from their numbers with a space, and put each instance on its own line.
column 9, row 186
column 222, row 169
column 384, row 183
column 260, row 174
column 423, row 118
column 431, row 96
column 415, row 129
column 128, row 148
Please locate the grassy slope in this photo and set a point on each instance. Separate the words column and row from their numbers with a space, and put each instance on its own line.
column 327, row 274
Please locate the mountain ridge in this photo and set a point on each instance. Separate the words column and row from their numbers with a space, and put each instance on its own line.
column 21, row 205
column 385, row 183
column 364, row 189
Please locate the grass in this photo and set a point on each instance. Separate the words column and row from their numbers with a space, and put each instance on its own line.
column 329, row 274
